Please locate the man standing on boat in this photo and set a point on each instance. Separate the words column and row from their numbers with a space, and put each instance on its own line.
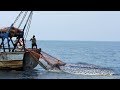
column 33, row 40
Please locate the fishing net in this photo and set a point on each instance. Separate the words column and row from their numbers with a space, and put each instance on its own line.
column 47, row 61
column 51, row 60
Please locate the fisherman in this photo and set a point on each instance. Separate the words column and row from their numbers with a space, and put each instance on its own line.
column 33, row 40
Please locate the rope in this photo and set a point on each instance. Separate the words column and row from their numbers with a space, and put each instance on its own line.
column 15, row 21
column 27, row 21
column 30, row 15
column 25, row 28
column 28, row 27
column 22, row 19
column 17, row 17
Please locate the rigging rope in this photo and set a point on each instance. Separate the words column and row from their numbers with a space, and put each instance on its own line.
column 22, row 19
column 15, row 21
column 17, row 17
column 27, row 21
column 28, row 27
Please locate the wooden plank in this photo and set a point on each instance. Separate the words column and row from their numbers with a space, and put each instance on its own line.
column 14, row 64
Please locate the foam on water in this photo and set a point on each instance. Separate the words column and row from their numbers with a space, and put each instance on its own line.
column 86, row 69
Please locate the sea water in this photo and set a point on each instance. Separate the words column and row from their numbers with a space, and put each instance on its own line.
column 85, row 60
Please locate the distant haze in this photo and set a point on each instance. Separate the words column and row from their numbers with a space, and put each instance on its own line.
column 70, row 25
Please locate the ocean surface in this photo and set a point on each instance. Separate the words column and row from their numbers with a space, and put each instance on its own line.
column 85, row 60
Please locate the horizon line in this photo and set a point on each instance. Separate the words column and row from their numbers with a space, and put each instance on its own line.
column 81, row 40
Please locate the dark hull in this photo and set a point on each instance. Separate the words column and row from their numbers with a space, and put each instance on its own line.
column 29, row 62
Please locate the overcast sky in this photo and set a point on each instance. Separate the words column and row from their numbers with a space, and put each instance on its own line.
column 70, row 25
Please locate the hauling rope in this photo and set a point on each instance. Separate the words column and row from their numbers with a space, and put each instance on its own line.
column 46, row 61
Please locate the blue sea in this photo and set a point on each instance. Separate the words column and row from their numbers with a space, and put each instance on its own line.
column 96, row 54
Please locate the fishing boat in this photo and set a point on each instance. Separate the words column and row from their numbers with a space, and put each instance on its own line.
column 12, row 57
column 22, row 58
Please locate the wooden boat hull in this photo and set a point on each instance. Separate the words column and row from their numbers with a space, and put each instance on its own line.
column 17, row 61
column 11, row 65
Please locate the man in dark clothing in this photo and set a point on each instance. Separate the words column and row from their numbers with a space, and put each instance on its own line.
column 33, row 40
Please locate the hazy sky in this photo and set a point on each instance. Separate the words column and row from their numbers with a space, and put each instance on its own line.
column 70, row 25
